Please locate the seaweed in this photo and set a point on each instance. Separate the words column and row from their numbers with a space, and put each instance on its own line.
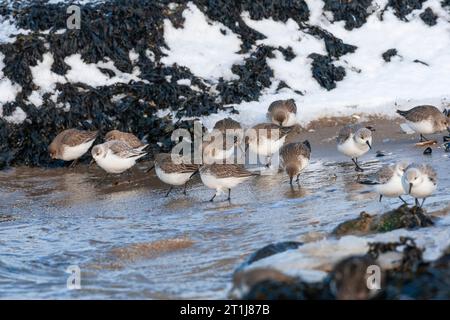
column 335, row 46
column 388, row 54
column 353, row 12
column 254, row 75
column 429, row 17
column 325, row 72
column 404, row 7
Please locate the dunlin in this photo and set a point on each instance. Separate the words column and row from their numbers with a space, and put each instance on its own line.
column 283, row 112
column 419, row 181
column 265, row 139
column 129, row 138
column 354, row 141
column 295, row 157
column 388, row 181
column 173, row 173
column 71, row 144
column 426, row 120
column 116, row 156
column 223, row 177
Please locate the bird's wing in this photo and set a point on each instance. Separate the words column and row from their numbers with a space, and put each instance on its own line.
column 123, row 150
column 75, row 137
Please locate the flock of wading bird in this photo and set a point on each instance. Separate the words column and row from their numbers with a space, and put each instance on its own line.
column 120, row 151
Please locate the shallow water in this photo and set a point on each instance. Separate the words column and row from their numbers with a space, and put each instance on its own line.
column 131, row 242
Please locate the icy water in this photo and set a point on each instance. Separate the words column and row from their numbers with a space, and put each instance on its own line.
column 131, row 242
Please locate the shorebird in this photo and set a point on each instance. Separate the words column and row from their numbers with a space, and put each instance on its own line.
column 71, row 144
column 223, row 177
column 388, row 181
column 295, row 157
column 283, row 113
column 354, row 141
column 129, row 138
column 116, row 156
column 426, row 120
column 265, row 139
column 419, row 181
column 173, row 173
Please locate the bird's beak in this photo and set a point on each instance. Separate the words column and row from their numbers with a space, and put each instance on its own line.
column 410, row 187
column 368, row 143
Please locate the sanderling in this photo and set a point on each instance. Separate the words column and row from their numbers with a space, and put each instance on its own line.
column 129, row 138
column 116, row 156
column 295, row 157
column 223, row 176
column 227, row 124
column 419, row 181
column 388, row 181
column 173, row 173
column 71, row 144
column 283, row 112
column 265, row 139
column 354, row 141
column 426, row 120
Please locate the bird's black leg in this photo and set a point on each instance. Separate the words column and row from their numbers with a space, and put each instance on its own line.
column 416, row 202
column 423, row 202
column 381, row 197
column 290, row 180
column 402, row 200
column 168, row 192
column 184, row 190
column 423, row 138
column 229, row 195
column 357, row 168
column 73, row 164
column 212, row 199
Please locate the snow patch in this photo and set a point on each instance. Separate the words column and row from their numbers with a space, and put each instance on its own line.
column 201, row 46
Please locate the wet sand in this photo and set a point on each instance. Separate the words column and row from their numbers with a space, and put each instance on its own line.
column 131, row 242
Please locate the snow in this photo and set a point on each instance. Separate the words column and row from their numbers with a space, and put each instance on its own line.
column 201, row 46
column 90, row 74
column 8, row 90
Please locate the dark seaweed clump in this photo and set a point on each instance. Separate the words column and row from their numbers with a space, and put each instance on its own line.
column 354, row 13
column 254, row 75
column 389, row 54
column 325, row 72
column 404, row 7
column 229, row 13
column 429, row 17
column 335, row 46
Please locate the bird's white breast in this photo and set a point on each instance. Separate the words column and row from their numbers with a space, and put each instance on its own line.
column 351, row 149
column 72, row 153
column 423, row 127
column 175, row 179
column 114, row 164
column 392, row 188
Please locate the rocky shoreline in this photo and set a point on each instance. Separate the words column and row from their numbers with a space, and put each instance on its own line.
column 403, row 272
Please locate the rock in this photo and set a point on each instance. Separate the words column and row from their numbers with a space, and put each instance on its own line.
column 360, row 225
column 427, row 151
column 402, row 217
column 349, row 279
column 270, row 250
column 412, row 278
